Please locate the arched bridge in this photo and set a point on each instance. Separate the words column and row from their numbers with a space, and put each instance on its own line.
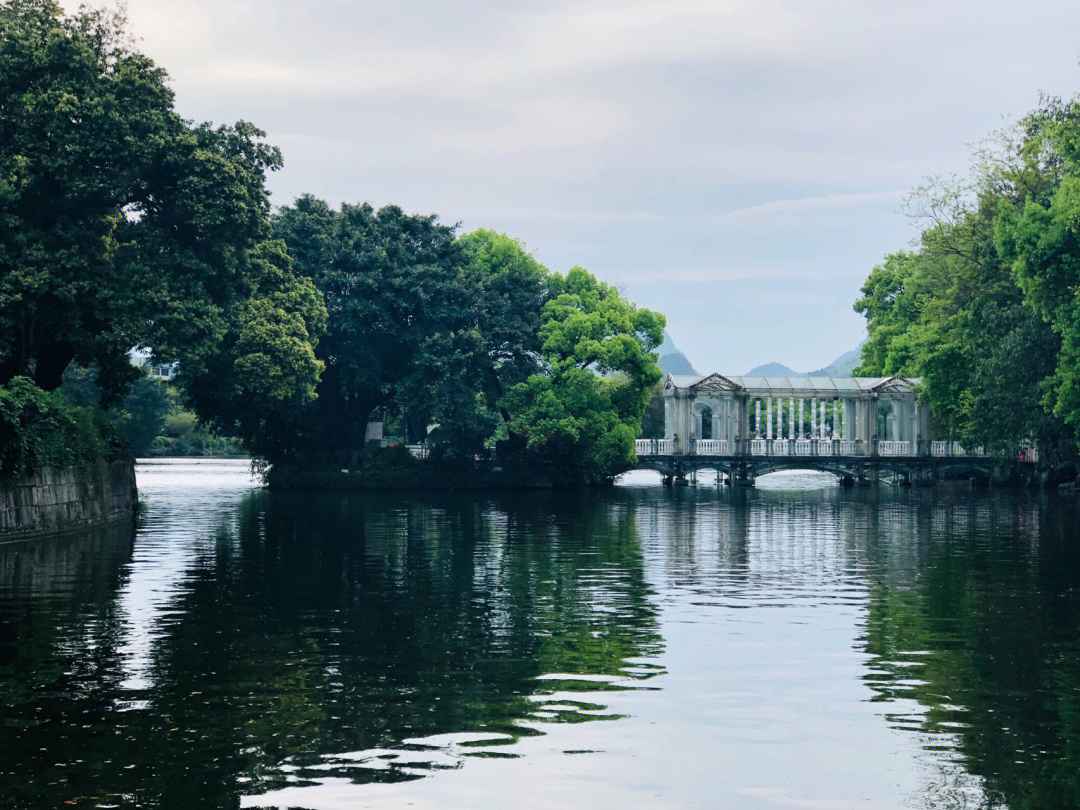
column 859, row 428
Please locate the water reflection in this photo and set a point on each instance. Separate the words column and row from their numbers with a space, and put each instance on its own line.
column 795, row 645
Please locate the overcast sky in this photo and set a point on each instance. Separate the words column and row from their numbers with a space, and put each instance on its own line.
column 738, row 166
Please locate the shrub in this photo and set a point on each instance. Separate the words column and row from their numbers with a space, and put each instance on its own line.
column 43, row 430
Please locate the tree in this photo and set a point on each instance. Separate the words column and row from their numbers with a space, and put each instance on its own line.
column 966, row 312
column 1040, row 238
column 82, row 120
column 124, row 225
column 399, row 315
column 581, row 413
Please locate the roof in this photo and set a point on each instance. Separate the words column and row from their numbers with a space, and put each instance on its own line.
column 790, row 386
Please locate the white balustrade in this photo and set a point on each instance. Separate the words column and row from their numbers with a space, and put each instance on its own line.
column 418, row 450
column 824, row 447
column 891, row 448
column 711, row 447
column 804, row 447
column 848, row 447
column 757, row 447
column 780, row 447
column 654, row 447
column 939, row 448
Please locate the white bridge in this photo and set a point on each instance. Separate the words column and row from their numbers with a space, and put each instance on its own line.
column 856, row 427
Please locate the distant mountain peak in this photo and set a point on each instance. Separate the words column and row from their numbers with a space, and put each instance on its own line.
column 842, row 366
column 673, row 361
column 772, row 370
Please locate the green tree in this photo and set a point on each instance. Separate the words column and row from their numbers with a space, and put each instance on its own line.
column 82, row 121
column 580, row 415
column 124, row 225
column 400, row 321
column 957, row 310
column 1040, row 238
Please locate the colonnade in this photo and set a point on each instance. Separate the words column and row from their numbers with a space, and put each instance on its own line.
column 857, row 410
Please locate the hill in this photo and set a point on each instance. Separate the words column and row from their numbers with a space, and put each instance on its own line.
column 673, row 361
column 772, row 370
column 842, row 366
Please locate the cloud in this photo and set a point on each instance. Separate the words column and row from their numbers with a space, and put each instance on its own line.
column 565, row 215
column 801, row 205
column 732, row 274
column 701, row 151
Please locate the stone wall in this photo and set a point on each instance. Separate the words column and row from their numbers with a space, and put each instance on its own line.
column 56, row 501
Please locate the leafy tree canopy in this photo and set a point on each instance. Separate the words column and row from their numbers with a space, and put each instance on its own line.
column 981, row 308
column 123, row 225
column 581, row 413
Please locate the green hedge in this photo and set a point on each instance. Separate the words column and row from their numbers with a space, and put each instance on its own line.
column 43, row 430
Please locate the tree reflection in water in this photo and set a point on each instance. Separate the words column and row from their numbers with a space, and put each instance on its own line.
column 361, row 636
column 256, row 641
column 981, row 626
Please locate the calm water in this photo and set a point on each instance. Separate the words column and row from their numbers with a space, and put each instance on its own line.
column 794, row 646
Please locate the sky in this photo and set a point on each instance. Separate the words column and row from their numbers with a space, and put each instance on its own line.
column 740, row 166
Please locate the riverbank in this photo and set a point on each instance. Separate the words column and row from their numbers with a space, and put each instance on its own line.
column 55, row 502
column 396, row 469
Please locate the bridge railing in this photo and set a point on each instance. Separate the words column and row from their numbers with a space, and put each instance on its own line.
column 893, row 448
column 846, row 448
column 654, row 447
column 949, row 449
column 711, row 447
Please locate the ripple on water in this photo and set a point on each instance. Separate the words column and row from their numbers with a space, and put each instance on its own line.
column 792, row 645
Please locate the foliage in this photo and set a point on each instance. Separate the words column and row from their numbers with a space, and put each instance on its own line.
column 151, row 417
column 581, row 414
column 43, row 430
column 82, row 121
column 653, row 419
column 182, row 435
column 398, row 319
column 124, row 225
column 472, row 335
column 980, row 309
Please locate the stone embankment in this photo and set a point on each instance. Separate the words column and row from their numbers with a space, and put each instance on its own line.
column 52, row 502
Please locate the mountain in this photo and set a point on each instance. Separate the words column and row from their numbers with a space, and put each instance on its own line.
column 672, row 361
column 842, row 366
column 772, row 370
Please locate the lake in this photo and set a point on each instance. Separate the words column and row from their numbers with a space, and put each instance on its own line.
column 795, row 645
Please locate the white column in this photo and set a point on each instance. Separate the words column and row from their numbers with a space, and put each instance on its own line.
column 791, row 418
column 757, row 418
column 768, row 418
column 802, row 413
column 821, row 421
column 813, row 418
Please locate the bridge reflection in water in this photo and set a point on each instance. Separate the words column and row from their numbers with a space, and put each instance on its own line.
column 856, row 427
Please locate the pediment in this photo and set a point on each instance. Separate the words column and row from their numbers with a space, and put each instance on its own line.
column 895, row 385
column 715, row 382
